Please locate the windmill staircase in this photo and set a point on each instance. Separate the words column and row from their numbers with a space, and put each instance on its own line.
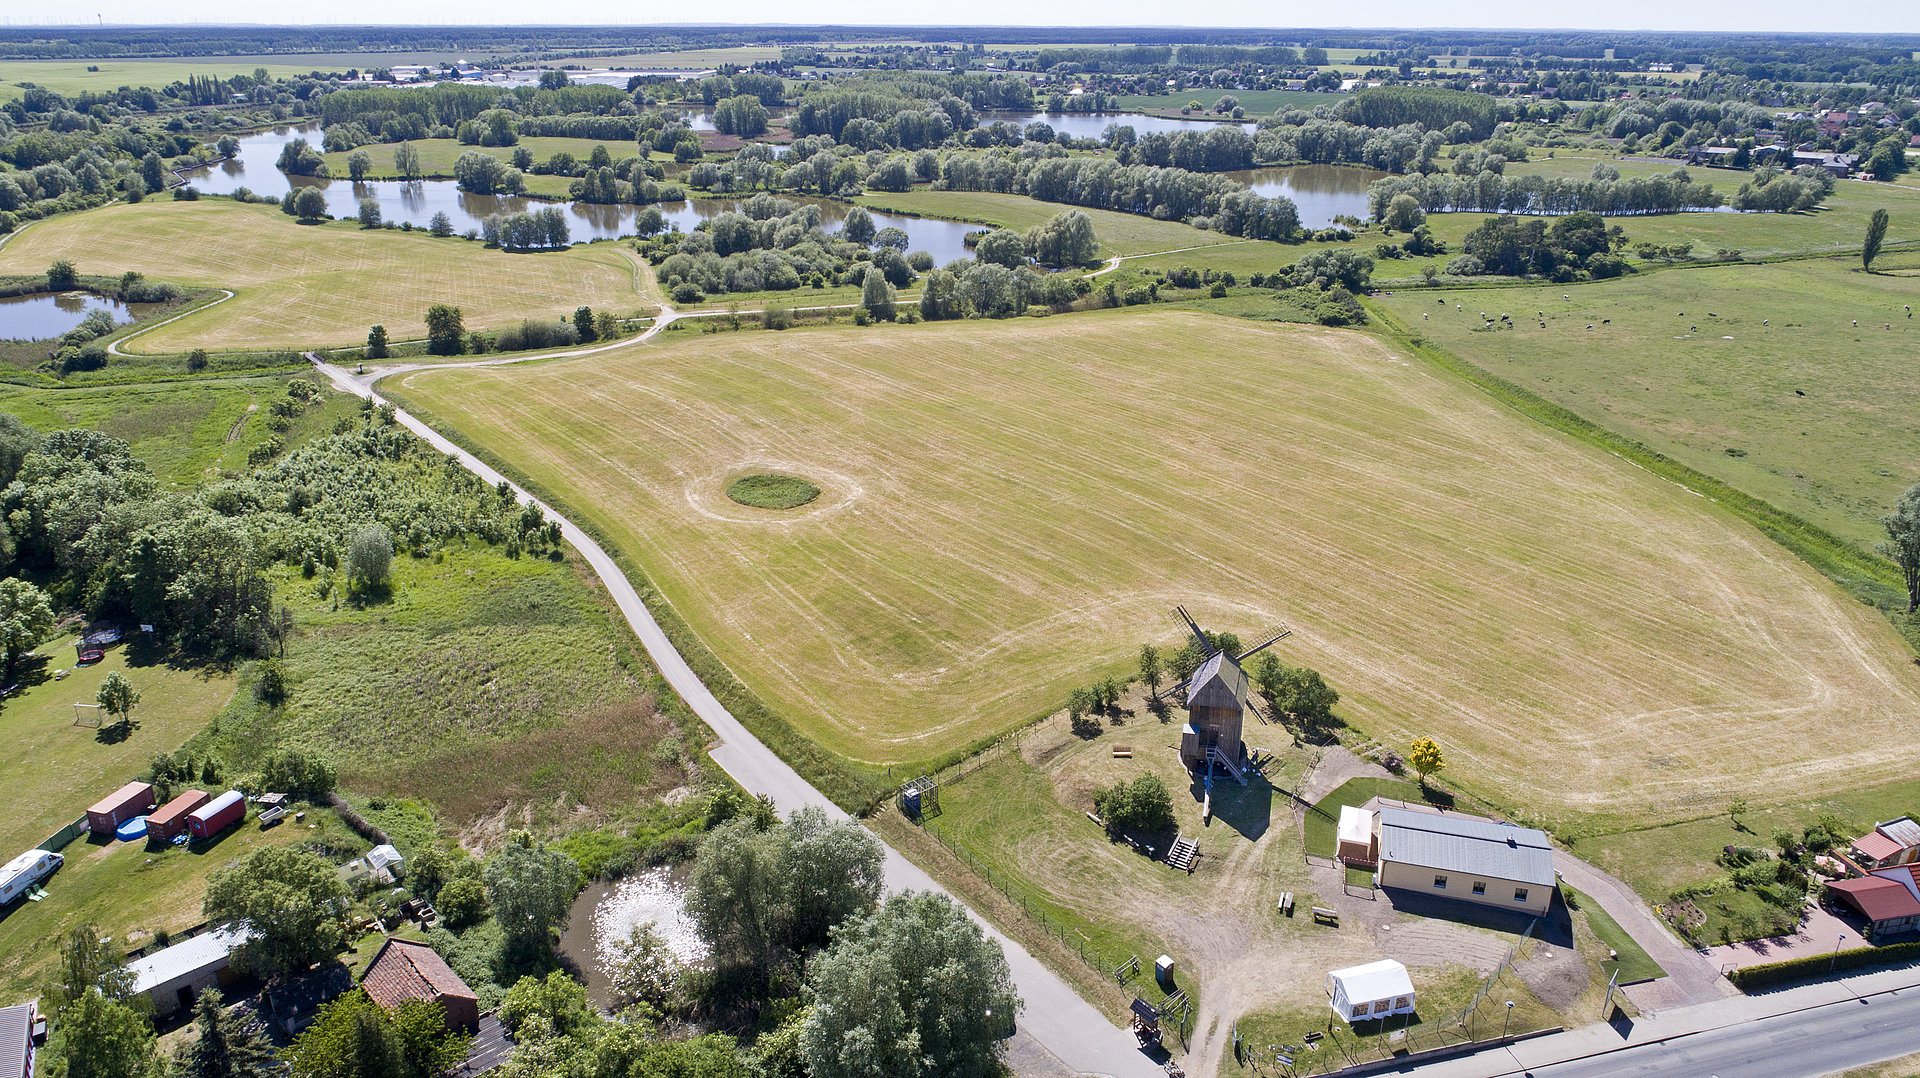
column 1215, row 756
column 1184, row 852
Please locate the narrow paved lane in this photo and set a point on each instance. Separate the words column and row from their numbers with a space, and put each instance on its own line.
column 1055, row 1015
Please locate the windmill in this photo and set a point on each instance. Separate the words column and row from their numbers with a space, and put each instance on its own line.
column 1217, row 705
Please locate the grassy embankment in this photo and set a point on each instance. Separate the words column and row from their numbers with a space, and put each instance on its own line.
column 312, row 285
column 924, row 501
column 1757, row 375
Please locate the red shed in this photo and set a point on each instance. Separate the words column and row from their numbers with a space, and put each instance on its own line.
column 120, row 806
column 217, row 815
column 171, row 818
column 403, row 970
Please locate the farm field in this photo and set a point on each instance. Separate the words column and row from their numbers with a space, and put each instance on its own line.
column 71, row 77
column 1453, row 570
column 1804, row 412
column 62, row 768
column 304, row 285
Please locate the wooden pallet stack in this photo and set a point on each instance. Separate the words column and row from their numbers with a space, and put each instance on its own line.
column 1184, row 853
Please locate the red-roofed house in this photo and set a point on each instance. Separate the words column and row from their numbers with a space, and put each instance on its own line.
column 404, row 970
column 1889, row 905
column 1896, row 842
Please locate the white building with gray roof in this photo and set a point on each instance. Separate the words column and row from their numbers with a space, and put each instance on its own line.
column 1468, row 858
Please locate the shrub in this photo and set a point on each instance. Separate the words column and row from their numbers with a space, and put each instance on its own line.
column 1141, row 805
column 1769, row 974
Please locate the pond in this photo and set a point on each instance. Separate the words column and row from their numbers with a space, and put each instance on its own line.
column 1322, row 192
column 254, row 168
column 1095, row 124
column 607, row 911
column 47, row 315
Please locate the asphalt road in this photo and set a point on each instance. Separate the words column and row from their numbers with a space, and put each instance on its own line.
column 1054, row 1014
column 1799, row 1044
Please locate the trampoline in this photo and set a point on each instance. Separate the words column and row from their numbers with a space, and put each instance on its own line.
column 132, row 829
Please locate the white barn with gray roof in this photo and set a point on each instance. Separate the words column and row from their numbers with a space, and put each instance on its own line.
column 1468, row 858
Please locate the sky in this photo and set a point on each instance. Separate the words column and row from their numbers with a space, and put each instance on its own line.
column 1750, row 15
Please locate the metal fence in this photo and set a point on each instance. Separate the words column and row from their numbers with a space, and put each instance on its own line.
column 60, row 839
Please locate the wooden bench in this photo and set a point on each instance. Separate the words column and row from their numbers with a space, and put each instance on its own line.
column 1286, row 903
column 1123, row 752
column 1321, row 914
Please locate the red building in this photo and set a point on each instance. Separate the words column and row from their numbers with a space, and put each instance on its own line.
column 171, row 818
column 120, row 806
column 404, row 970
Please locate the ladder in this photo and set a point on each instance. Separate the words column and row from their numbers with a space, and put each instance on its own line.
column 1183, row 854
column 1215, row 756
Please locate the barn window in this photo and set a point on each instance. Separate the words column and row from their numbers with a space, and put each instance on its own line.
column 1440, row 882
column 1519, row 894
column 1480, row 887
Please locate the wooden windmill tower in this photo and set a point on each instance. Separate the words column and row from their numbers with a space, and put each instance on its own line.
column 1217, row 705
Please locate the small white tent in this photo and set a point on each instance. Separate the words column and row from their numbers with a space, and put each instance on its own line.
column 1357, row 843
column 1373, row 991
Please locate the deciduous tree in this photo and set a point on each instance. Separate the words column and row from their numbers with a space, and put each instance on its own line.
column 1876, row 235
column 292, row 899
column 530, row 890
column 26, row 617
column 1903, row 542
column 1425, row 756
column 914, row 988
column 118, row 696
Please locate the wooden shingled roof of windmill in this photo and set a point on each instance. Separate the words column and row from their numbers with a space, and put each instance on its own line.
column 1218, row 683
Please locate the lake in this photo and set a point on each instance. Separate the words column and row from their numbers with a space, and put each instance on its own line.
column 605, row 913
column 47, row 315
column 254, row 168
column 1094, row 124
column 1322, row 192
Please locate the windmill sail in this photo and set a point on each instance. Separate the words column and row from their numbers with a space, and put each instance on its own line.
column 1206, row 646
column 1276, row 637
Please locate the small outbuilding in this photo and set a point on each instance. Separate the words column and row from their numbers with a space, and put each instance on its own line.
column 292, row 1003
column 1358, row 844
column 170, row 819
column 107, row 814
column 1367, row 993
column 403, row 971
column 174, row 976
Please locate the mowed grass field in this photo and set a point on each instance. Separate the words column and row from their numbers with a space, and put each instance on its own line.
column 1808, row 411
column 60, row 768
column 306, row 285
column 1010, row 510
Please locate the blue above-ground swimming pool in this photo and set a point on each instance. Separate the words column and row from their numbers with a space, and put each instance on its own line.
column 132, row 829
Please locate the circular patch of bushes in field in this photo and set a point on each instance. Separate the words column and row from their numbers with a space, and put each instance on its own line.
column 766, row 490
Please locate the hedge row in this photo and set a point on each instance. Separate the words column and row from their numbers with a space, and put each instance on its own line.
column 1799, row 969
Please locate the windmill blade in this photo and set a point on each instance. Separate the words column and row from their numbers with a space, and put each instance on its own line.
column 1206, row 647
column 1264, row 644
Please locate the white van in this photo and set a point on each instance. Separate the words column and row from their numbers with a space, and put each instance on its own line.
column 23, row 874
